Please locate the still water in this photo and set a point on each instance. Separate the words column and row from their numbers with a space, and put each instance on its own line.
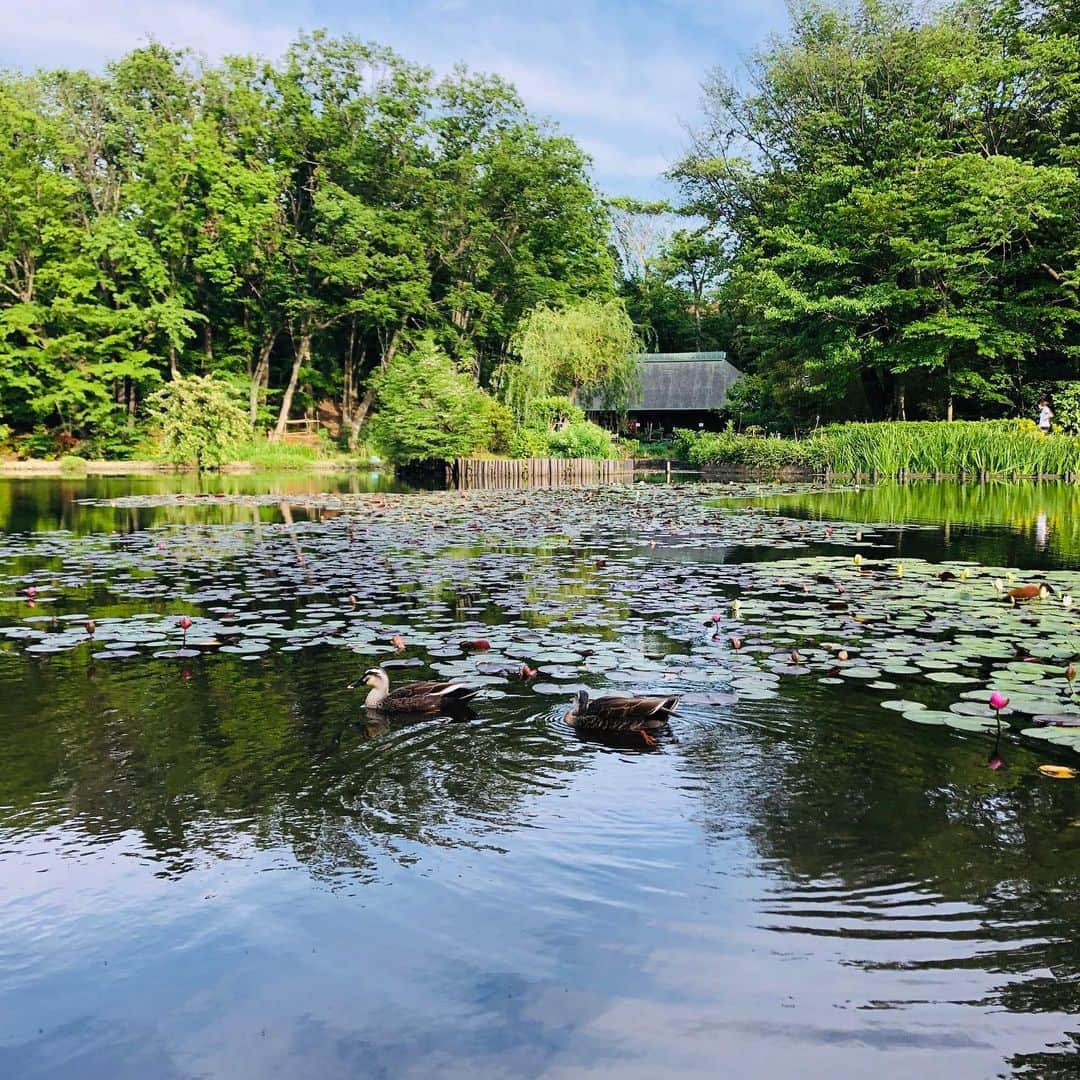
column 213, row 866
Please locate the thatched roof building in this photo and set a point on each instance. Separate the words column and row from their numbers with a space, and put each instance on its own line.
column 679, row 389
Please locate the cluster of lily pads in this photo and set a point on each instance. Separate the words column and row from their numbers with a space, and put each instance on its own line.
column 637, row 588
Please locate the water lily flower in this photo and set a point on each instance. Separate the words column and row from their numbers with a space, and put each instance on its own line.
column 796, row 657
column 857, row 560
column 998, row 701
column 184, row 623
column 900, row 569
column 398, row 642
column 999, row 585
column 736, row 643
column 858, row 534
column 527, row 672
column 1070, row 674
column 31, row 591
column 829, row 530
column 90, row 627
column 716, row 616
column 842, row 654
column 965, row 573
column 1066, row 600
column 479, row 645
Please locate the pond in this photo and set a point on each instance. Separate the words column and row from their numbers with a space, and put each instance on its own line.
column 215, row 865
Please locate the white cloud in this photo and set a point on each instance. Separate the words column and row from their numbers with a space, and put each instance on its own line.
column 55, row 32
column 623, row 77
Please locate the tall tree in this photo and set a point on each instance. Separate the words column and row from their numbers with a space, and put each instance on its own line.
column 902, row 194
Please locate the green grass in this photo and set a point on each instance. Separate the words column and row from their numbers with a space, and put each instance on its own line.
column 266, row 456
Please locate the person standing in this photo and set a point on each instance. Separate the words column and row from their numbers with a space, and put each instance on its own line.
column 1045, row 416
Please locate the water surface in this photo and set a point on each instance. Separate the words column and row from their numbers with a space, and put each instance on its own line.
column 215, row 866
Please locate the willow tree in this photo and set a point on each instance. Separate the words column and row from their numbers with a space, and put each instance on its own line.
column 586, row 349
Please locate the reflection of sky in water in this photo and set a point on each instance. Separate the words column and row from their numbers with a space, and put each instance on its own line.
column 226, row 876
column 609, row 938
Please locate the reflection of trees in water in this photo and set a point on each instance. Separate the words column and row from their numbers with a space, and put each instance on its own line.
column 1042, row 517
column 869, row 823
column 243, row 753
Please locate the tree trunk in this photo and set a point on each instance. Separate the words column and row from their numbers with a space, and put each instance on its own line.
column 301, row 356
column 174, row 366
column 364, row 407
column 901, row 401
column 261, row 373
column 348, row 383
column 949, row 410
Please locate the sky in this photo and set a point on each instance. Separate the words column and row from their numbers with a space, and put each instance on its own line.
column 623, row 78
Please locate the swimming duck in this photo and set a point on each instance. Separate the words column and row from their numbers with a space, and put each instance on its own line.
column 622, row 715
column 1029, row 592
column 417, row 698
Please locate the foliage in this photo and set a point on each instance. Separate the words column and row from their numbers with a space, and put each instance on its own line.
column 580, row 439
column 587, row 348
column 1007, row 447
column 1066, row 406
column 201, row 421
column 973, row 448
column 728, row 449
column 899, row 193
column 71, row 465
column 555, row 427
column 291, row 226
column 429, row 409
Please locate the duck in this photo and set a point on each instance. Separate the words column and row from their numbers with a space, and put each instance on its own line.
column 622, row 715
column 416, row 699
column 1038, row 591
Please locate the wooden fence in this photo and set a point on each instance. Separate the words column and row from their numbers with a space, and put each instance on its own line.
column 536, row 472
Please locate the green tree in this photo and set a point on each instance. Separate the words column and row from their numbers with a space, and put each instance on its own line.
column 902, row 201
column 201, row 422
column 586, row 348
column 426, row 408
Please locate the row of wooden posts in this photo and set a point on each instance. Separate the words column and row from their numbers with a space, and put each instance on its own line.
column 536, row 472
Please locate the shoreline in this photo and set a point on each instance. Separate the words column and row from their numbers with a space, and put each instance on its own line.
column 36, row 468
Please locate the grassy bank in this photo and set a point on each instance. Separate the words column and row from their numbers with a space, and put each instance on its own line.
column 904, row 448
column 258, row 456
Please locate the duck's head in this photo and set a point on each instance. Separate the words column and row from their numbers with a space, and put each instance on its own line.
column 375, row 677
column 1046, row 589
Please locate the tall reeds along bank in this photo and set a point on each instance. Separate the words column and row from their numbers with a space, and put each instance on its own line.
column 963, row 448
column 956, row 448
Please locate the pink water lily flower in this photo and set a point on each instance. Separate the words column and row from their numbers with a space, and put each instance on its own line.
column 998, row 701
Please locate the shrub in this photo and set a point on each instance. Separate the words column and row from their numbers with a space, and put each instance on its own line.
column 582, row 439
column 201, row 421
column 71, row 465
column 428, row 409
column 726, row 449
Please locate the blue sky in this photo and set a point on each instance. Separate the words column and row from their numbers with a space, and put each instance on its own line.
column 622, row 78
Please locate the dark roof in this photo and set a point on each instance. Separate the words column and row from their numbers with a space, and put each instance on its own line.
column 682, row 382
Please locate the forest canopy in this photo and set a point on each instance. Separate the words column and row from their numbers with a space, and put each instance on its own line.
column 287, row 227
column 879, row 217
column 897, row 193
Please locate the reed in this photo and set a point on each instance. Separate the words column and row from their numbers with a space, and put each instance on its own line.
column 971, row 448
column 959, row 448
